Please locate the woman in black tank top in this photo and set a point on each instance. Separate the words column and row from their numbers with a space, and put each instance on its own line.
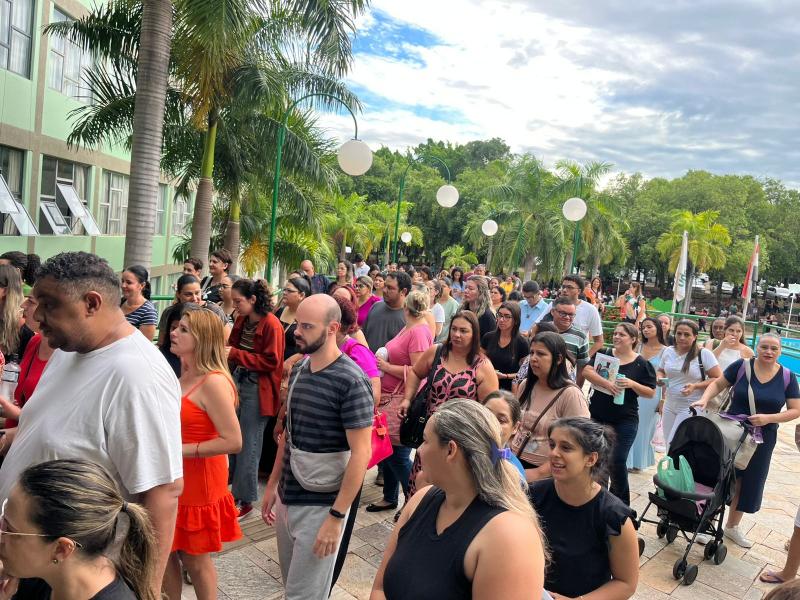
column 473, row 533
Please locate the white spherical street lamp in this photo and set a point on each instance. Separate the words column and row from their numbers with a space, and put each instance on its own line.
column 447, row 196
column 405, row 236
column 574, row 209
column 355, row 157
column 489, row 227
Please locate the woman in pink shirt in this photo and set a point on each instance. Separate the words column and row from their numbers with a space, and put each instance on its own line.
column 365, row 298
column 403, row 351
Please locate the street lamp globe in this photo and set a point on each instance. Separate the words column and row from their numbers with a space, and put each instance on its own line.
column 489, row 227
column 447, row 196
column 405, row 236
column 574, row 209
column 355, row 157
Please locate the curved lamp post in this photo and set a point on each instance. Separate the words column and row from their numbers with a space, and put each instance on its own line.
column 574, row 210
column 446, row 195
column 354, row 156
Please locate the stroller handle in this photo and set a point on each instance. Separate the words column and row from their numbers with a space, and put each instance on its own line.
column 687, row 495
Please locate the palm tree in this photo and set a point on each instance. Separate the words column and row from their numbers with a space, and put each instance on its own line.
column 532, row 230
column 223, row 50
column 348, row 223
column 456, row 256
column 576, row 181
column 707, row 242
column 148, row 126
column 382, row 218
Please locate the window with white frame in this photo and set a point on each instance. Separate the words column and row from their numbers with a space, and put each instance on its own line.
column 59, row 171
column 181, row 208
column 14, row 218
column 67, row 62
column 16, row 26
column 114, row 203
column 161, row 209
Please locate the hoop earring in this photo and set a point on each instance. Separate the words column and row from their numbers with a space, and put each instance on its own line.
column 55, row 561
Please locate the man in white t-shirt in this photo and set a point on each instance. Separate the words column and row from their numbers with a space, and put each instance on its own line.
column 106, row 395
column 587, row 319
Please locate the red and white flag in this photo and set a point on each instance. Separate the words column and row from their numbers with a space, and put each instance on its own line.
column 751, row 280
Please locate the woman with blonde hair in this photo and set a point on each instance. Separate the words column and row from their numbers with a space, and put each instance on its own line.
column 67, row 532
column 478, row 301
column 472, row 533
column 210, row 431
column 14, row 335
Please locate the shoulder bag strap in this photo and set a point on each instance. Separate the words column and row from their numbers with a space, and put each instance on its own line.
column 532, row 428
column 700, row 364
column 726, row 402
column 289, row 399
column 436, row 358
column 750, row 396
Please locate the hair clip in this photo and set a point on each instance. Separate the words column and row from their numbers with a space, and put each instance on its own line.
column 499, row 454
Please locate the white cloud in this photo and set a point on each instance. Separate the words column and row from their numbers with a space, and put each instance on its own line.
column 549, row 83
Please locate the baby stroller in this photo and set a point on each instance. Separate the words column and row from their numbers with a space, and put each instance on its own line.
column 700, row 441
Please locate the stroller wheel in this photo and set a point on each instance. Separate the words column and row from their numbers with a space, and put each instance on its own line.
column 679, row 568
column 661, row 529
column 672, row 533
column 720, row 554
column 709, row 550
column 641, row 546
column 690, row 575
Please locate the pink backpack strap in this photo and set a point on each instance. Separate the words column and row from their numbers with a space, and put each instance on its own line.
column 787, row 378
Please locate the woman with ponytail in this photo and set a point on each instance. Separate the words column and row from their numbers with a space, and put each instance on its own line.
column 139, row 311
column 589, row 530
column 255, row 355
column 68, row 533
column 473, row 533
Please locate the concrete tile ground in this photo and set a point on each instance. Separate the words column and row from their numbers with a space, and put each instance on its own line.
column 248, row 569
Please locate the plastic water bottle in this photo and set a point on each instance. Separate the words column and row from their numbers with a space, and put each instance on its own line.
column 620, row 398
column 10, row 377
column 382, row 353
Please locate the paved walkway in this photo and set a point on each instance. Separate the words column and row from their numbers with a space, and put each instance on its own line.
column 248, row 570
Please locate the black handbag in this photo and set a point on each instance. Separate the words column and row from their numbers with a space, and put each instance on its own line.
column 413, row 425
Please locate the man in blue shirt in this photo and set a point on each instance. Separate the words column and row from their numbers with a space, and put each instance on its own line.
column 532, row 307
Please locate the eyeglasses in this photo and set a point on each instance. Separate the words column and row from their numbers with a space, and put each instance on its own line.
column 565, row 315
column 361, row 286
column 4, row 531
column 289, row 291
column 504, row 317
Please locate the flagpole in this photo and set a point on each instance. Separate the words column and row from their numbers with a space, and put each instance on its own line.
column 751, row 279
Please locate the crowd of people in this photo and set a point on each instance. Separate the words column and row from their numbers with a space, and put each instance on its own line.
column 132, row 442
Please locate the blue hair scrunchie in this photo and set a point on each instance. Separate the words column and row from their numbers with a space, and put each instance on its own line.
column 496, row 453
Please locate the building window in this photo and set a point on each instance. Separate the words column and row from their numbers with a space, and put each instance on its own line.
column 161, row 209
column 68, row 62
column 16, row 24
column 14, row 218
column 55, row 171
column 180, row 215
column 114, row 203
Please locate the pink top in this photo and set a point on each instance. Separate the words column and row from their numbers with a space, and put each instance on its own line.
column 363, row 310
column 362, row 356
column 405, row 343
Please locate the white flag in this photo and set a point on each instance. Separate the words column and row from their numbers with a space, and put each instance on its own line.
column 679, row 291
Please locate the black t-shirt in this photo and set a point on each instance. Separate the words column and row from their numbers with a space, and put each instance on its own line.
column 211, row 293
column 578, row 538
column 602, row 407
column 505, row 360
column 487, row 322
column 290, row 346
column 37, row 589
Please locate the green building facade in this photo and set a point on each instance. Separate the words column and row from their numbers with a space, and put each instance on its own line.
column 40, row 85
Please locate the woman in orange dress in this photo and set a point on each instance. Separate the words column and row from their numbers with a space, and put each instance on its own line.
column 210, row 431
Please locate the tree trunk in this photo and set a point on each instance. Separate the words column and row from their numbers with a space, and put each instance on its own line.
column 148, row 130
column 232, row 233
column 530, row 263
column 719, row 294
column 343, row 247
column 489, row 253
column 201, row 220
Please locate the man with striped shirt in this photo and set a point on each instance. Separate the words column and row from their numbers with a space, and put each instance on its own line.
column 331, row 409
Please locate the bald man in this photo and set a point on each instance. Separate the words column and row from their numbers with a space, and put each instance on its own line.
column 330, row 408
column 319, row 283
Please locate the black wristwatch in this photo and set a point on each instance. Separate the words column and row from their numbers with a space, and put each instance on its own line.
column 335, row 513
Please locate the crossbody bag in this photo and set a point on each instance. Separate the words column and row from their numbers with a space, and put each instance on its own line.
column 314, row 471
column 523, row 437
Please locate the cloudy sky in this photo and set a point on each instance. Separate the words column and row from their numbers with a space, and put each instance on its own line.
column 653, row 87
